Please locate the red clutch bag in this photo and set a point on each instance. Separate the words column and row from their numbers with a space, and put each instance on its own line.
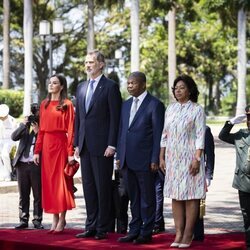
column 71, row 168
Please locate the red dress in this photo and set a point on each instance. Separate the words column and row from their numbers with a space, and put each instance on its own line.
column 55, row 143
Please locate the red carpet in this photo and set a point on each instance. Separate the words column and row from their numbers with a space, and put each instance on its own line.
column 11, row 239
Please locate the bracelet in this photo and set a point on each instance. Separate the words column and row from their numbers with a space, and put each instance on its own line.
column 197, row 159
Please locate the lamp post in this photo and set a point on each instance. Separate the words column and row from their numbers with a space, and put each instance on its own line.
column 45, row 31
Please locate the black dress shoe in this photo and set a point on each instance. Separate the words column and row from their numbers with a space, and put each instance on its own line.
column 22, row 225
column 101, row 236
column 158, row 230
column 143, row 240
column 38, row 226
column 127, row 238
column 87, row 234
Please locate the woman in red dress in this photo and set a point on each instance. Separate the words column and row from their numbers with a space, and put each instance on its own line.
column 54, row 148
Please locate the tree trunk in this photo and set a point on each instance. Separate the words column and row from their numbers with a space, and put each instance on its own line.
column 6, row 44
column 91, row 28
column 135, row 35
column 171, row 53
column 28, row 34
column 241, row 65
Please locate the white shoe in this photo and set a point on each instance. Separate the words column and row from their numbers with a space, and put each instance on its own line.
column 175, row 244
column 183, row 245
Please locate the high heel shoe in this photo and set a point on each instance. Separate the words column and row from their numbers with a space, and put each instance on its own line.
column 50, row 231
column 60, row 231
column 183, row 245
column 186, row 245
column 175, row 244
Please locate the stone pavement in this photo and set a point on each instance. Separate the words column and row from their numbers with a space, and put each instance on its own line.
column 222, row 206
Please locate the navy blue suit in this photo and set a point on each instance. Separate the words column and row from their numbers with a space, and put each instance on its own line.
column 95, row 130
column 138, row 147
column 209, row 166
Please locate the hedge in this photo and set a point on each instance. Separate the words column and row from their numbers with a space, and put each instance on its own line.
column 14, row 99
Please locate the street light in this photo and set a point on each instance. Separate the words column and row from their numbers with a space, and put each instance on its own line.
column 45, row 31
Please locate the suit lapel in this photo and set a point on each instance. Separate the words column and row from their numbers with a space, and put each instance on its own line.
column 83, row 92
column 141, row 108
column 127, row 111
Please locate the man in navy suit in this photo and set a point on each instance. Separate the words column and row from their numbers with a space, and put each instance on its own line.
column 209, row 166
column 141, row 125
column 98, row 105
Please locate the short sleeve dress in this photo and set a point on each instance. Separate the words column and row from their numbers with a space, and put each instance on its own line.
column 183, row 133
column 55, row 144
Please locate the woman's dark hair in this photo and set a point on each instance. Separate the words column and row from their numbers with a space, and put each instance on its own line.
column 191, row 85
column 63, row 93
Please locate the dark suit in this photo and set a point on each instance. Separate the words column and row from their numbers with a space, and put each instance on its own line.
column 28, row 176
column 95, row 130
column 159, row 186
column 138, row 147
column 209, row 166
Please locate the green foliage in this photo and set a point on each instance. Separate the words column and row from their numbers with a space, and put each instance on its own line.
column 206, row 44
column 14, row 99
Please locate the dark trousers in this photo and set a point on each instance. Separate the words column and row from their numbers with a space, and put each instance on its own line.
column 245, row 209
column 29, row 177
column 119, row 204
column 159, row 185
column 141, row 191
column 199, row 228
column 97, row 187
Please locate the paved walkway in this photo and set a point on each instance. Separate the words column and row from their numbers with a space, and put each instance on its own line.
column 222, row 211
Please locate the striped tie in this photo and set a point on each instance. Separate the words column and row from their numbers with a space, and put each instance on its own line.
column 133, row 110
column 90, row 94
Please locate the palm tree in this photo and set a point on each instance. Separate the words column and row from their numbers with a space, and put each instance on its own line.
column 135, row 35
column 241, row 61
column 171, row 52
column 28, row 34
column 6, row 43
column 91, row 28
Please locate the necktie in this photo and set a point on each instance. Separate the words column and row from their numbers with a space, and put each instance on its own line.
column 90, row 94
column 133, row 110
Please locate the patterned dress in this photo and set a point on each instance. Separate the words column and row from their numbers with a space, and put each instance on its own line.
column 183, row 134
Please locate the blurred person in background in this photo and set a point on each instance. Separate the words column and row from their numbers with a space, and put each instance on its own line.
column 241, row 181
column 7, row 125
column 209, row 158
column 28, row 173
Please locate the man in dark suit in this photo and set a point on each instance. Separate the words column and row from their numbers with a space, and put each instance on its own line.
column 98, row 105
column 159, row 225
column 141, row 125
column 28, row 173
column 209, row 166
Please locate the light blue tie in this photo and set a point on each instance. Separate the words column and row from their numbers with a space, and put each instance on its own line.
column 90, row 94
column 133, row 110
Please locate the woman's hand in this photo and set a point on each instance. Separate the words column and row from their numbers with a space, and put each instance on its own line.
column 36, row 159
column 163, row 166
column 194, row 167
column 70, row 158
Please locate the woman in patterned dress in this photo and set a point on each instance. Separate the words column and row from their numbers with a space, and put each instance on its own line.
column 181, row 158
column 54, row 148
